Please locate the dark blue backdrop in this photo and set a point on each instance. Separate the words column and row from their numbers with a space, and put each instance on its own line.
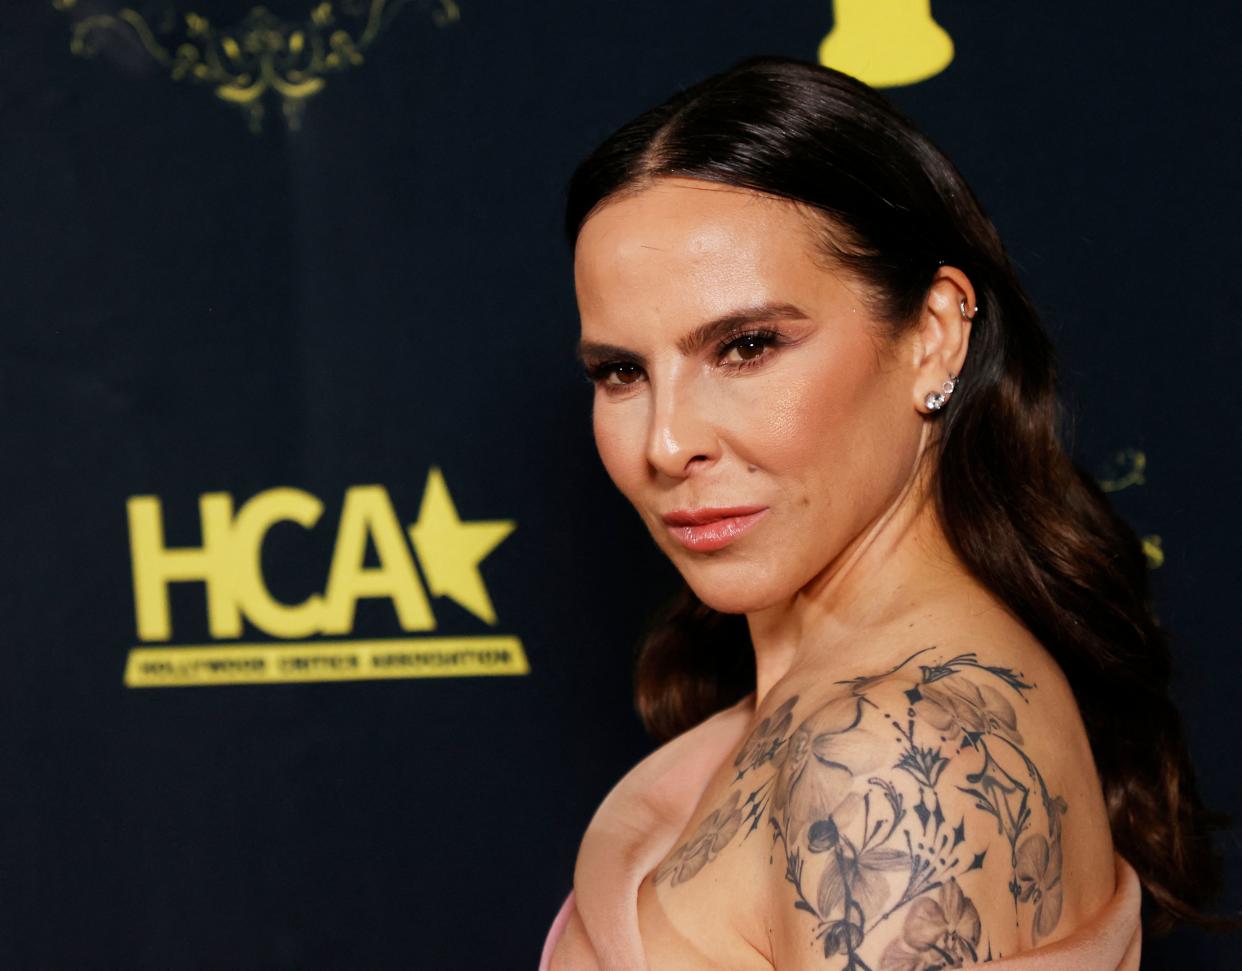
column 198, row 299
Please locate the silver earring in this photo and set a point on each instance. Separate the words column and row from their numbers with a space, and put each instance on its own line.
column 967, row 315
column 935, row 400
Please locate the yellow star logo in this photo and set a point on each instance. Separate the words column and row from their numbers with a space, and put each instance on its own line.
column 450, row 551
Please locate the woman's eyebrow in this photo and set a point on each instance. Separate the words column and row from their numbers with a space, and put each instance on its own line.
column 702, row 335
column 721, row 327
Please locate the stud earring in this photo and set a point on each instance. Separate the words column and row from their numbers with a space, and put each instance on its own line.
column 935, row 400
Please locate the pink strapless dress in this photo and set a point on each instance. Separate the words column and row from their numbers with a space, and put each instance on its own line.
column 1110, row 941
column 554, row 933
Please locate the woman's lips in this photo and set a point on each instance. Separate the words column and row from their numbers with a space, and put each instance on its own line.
column 705, row 530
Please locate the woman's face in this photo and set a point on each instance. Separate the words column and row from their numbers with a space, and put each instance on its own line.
column 746, row 402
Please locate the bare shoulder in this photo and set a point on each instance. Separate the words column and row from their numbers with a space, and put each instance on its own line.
column 935, row 814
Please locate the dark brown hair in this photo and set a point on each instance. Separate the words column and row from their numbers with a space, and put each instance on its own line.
column 1029, row 523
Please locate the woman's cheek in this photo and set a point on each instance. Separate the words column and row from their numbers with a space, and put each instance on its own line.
column 619, row 441
column 792, row 421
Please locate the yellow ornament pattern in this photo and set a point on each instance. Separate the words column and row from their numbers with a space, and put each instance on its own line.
column 257, row 60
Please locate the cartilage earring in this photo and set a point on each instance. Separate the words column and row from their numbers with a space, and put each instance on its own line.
column 935, row 399
column 967, row 315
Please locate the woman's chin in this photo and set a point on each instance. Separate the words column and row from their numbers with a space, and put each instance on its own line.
column 732, row 598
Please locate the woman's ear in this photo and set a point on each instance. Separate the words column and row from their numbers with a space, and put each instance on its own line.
column 943, row 333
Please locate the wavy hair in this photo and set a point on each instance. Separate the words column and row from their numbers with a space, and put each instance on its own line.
column 1028, row 522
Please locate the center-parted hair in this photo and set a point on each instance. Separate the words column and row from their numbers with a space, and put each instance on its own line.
column 1026, row 520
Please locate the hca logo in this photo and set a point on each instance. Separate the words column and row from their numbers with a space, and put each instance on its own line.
column 228, row 563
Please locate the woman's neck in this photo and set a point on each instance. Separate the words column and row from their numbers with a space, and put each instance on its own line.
column 887, row 574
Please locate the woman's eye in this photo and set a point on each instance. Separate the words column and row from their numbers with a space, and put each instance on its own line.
column 747, row 348
column 617, row 373
column 740, row 351
column 625, row 373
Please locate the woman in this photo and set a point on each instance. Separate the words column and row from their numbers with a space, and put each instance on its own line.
column 916, row 698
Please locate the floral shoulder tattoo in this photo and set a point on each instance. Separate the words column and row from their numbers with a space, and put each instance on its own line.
column 857, row 821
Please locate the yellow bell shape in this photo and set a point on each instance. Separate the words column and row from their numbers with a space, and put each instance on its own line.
column 886, row 43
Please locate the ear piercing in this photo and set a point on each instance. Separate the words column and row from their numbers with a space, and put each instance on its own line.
column 935, row 400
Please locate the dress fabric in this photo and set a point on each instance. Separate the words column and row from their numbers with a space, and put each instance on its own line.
column 554, row 933
column 1109, row 941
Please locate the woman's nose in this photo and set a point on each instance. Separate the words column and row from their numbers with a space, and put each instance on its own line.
column 681, row 438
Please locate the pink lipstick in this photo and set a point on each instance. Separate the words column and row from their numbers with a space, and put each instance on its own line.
column 711, row 528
